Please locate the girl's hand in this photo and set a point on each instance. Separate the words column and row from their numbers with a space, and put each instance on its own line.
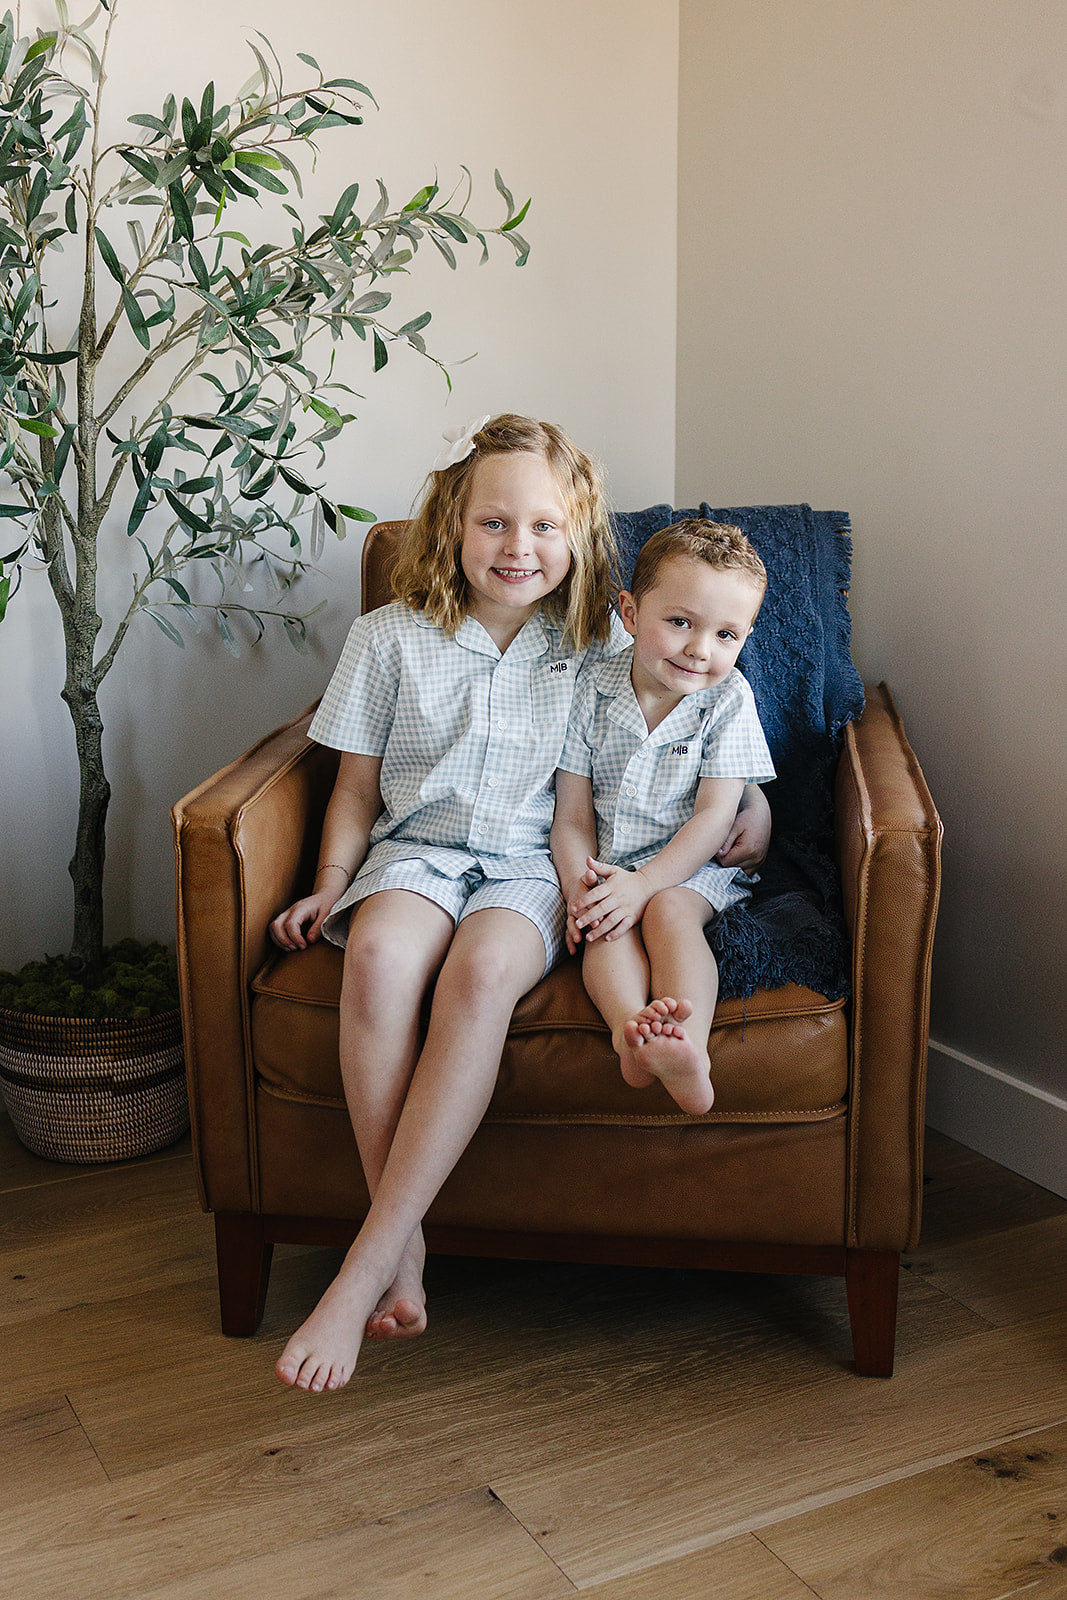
column 575, row 934
column 613, row 905
column 301, row 924
column 748, row 840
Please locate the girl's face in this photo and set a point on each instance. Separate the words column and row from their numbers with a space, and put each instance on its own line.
column 514, row 549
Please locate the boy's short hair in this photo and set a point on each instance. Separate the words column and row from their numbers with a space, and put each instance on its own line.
column 720, row 544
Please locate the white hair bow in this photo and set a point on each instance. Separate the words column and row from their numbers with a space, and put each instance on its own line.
column 460, row 444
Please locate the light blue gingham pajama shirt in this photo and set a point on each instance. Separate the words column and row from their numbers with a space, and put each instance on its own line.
column 645, row 784
column 470, row 740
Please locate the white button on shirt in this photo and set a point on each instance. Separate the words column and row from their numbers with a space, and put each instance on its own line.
column 645, row 784
column 470, row 739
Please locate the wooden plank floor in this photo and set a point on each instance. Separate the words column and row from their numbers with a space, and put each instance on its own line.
column 630, row 1435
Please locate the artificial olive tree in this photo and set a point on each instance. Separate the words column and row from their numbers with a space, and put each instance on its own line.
column 103, row 385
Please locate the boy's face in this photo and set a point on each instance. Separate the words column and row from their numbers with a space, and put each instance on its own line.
column 689, row 628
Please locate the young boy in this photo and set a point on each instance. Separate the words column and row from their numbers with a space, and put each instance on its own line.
column 661, row 742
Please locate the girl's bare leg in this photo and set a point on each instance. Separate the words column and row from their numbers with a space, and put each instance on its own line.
column 494, row 958
column 397, row 941
column 396, row 945
column 670, row 1034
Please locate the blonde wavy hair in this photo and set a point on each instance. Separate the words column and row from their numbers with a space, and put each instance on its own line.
column 428, row 575
column 719, row 544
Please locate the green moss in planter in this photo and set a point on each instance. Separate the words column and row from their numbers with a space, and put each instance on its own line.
column 135, row 981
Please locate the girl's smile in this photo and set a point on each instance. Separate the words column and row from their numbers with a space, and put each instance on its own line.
column 514, row 549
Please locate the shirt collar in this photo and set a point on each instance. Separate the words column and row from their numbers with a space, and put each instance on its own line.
column 530, row 641
column 613, row 681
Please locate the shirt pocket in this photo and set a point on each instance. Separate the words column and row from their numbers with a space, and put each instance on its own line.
column 677, row 769
column 551, row 691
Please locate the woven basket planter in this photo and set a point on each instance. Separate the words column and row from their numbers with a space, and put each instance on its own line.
column 93, row 1089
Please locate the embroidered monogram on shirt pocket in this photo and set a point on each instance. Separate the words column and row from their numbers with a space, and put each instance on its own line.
column 677, row 766
column 552, row 690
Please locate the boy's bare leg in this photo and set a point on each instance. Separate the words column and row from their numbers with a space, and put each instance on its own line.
column 670, row 1035
column 616, row 975
column 494, row 958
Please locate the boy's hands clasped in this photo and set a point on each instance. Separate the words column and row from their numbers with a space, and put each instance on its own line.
column 609, row 901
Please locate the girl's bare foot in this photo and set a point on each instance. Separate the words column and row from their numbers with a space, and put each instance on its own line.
column 322, row 1353
column 398, row 1317
column 401, row 1311
column 657, row 1046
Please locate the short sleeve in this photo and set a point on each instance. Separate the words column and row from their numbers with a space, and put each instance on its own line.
column 734, row 745
column 357, row 711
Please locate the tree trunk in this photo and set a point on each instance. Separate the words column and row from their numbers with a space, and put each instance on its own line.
column 87, row 863
column 81, row 625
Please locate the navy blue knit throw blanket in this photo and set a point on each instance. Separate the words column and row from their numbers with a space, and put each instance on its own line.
column 800, row 667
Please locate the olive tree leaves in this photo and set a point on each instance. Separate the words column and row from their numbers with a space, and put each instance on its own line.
column 157, row 216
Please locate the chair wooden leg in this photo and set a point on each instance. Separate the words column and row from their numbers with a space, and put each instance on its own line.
column 872, row 1279
column 244, row 1258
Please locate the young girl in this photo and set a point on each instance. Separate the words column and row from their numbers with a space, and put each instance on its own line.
column 450, row 708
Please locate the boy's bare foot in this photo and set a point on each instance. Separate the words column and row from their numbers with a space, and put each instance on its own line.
column 649, row 1021
column 401, row 1311
column 322, row 1353
column 659, row 1014
column 657, row 1046
column 634, row 1034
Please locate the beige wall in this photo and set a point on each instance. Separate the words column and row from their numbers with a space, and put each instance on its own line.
column 548, row 91
column 872, row 283
column 870, row 289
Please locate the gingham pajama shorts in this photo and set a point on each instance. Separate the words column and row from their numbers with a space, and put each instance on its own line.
column 539, row 900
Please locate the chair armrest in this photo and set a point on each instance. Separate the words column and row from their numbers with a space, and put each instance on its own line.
column 245, row 840
column 888, row 845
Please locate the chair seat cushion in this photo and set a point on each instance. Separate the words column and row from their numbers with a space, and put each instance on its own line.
column 778, row 1057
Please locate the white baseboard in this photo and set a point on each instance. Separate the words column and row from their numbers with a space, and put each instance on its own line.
column 1011, row 1122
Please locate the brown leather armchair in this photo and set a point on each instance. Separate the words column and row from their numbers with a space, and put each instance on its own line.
column 809, row 1162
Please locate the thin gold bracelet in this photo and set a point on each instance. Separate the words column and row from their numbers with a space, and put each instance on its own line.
column 336, row 864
